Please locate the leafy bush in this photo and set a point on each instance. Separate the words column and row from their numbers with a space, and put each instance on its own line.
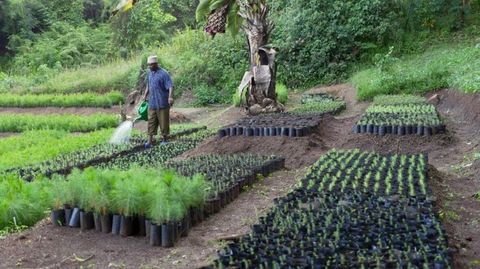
column 211, row 69
column 65, row 46
column 133, row 29
column 55, row 100
column 72, row 123
column 37, row 146
column 438, row 68
column 319, row 38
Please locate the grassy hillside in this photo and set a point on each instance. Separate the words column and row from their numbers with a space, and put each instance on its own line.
column 443, row 66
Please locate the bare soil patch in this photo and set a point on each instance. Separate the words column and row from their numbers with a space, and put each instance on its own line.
column 4, row 135
column 44, row 246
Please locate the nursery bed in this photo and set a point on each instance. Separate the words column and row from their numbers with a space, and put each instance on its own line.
column 400, row 115
column 280, row 124
column 340, row 218
column 101, row 154
column 320, row 103
column 166, row 220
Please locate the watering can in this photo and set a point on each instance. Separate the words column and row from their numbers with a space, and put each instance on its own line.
column 143, row 112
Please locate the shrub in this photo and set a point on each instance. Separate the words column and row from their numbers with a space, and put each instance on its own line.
column 133, row 29
column 64, row 46
column 212, row 69
column 318, row 39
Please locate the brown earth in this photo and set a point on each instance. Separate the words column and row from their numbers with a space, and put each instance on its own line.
column 3, row 135
column 453, row 183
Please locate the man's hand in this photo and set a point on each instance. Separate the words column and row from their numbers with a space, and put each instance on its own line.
column 170, row 101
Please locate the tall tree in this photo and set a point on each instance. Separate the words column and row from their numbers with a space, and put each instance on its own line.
column 252, row 17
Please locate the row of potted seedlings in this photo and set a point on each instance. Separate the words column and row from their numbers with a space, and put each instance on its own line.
column 320, row 104
column 226, row 174
column 141, row 202
column 155, row 203
column 326, row 224
column 316, row 98
column 278, row 124
column 155, row 156
column 404, row 175
column 400, row 115
column 78, row 159
column 419, row 119
column 401, row 99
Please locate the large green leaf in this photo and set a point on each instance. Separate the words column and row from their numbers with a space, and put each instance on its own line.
column 234, row 21
column 203, row 10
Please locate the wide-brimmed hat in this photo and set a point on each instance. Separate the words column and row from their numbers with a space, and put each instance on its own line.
column 152, row 60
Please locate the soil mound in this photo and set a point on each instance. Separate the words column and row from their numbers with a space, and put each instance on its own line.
column 463, row 107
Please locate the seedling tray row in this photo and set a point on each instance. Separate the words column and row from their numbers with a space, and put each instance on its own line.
column 280, row 124
column 352, row 210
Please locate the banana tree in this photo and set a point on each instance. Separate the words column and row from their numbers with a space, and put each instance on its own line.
column 252, row 17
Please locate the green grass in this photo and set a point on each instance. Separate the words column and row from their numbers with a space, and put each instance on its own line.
column 37, row 146
column 447, row 66
column 282, row 93
column 71, row 123
column 119, row 75
column 60, row 100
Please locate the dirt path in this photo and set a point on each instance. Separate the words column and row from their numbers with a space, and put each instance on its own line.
column 44, row 246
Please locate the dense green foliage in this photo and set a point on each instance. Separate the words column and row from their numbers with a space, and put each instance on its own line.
column 37, row 146
column 321, row 39
column 53, row 100
column 455, row 66
column 318, row 38
column 54, row 46
column 65, row 46
column 141, row 27
column 71, row 123
column 211, row 69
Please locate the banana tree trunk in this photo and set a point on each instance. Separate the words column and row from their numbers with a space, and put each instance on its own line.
column 261, row 96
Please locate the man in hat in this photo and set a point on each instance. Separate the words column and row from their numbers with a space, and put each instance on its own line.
column 159, row 94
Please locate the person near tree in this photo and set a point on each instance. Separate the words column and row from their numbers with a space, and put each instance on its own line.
column 159, row 94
